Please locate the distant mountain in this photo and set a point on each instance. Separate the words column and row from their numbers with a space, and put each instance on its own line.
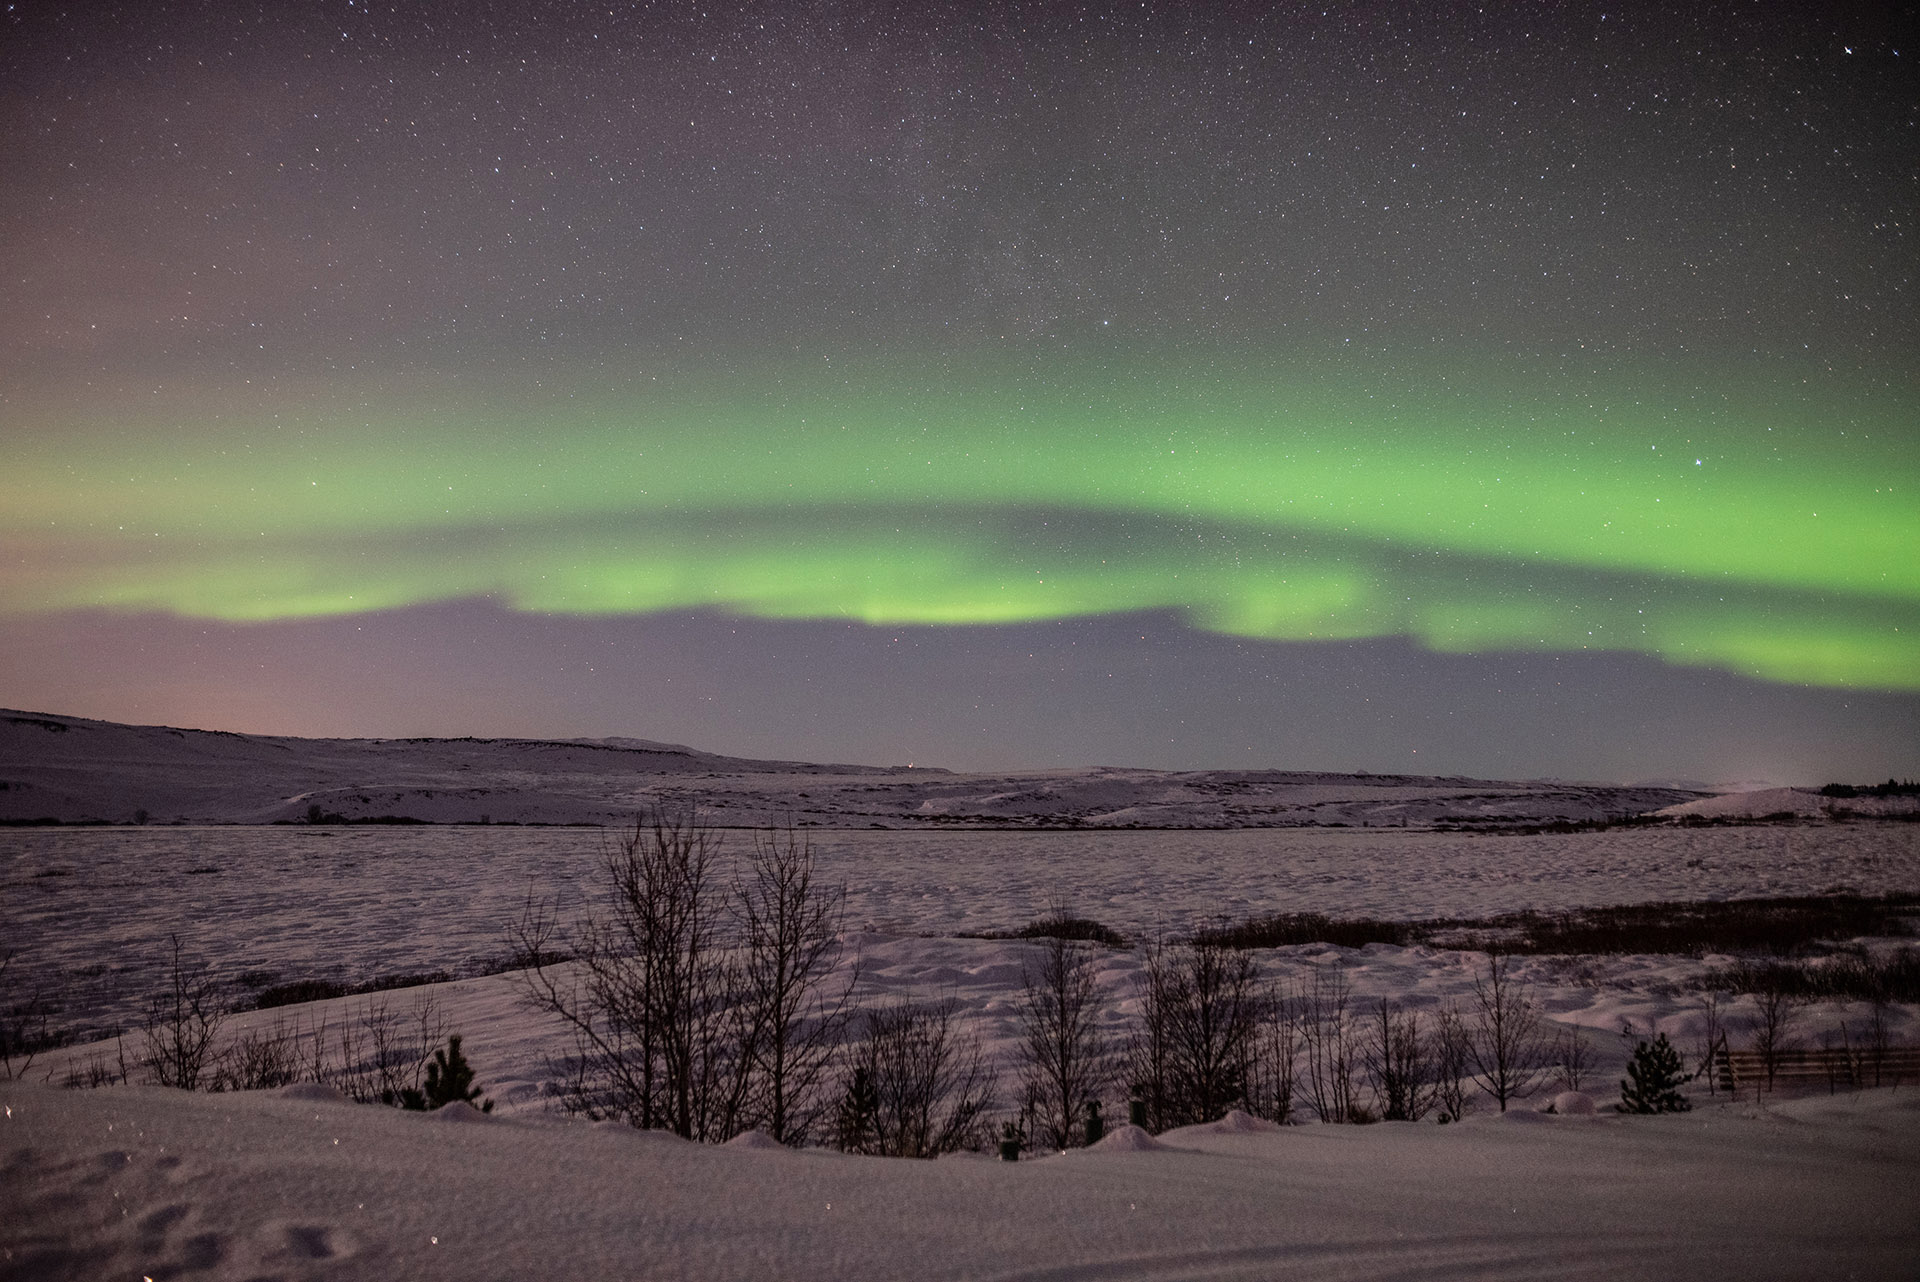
column 73, row 770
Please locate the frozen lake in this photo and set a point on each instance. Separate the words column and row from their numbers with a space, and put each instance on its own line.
column 350, row 903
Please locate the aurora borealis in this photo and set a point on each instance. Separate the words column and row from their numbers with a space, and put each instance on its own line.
column 1567, row 335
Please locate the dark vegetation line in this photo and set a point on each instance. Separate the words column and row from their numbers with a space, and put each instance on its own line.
column 1060, row 925
column 320, row 990
column 1780, row 926
column 1793, row 946
column 1891, row 788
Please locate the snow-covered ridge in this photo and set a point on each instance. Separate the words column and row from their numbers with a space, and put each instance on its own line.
column 1802, row 803
column 72, row 769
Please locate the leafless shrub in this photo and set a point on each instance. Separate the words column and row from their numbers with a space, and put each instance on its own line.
column 381, row 1052
column 695, row 1008
column 1770, row 1028
column 1506, row 1048
column 1572, row 1059
column 1713, row 1038
column 1064, row 1058
column 790, row 932
column 1330, row 1034
column 1273, row 1072
column 98, row 1070
column 1190, row 1057
column 1893, row 977
column 182, row 1023
column 648, row 999
column 1452, row 1062
column 913, row 1086
column 25, row 1022
column 1397, row 1059
column 259, row 1059
column 1874, row 1043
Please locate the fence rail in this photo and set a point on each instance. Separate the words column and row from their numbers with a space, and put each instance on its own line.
column 1837, row 1067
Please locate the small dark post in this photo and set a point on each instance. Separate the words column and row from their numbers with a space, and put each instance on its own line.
column 1095, row 1127
column 1137, row 1113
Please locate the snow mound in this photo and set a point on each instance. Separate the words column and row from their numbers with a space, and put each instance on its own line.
column 1128, row 1139
column 1572, row 1104
column 312, row 1091
column 754, row 1139
column 1239, row 1123
column 1524, row 1116
column 1235, row 1122
column 458, row 1111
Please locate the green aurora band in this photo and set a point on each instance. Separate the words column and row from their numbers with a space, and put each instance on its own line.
column 1773, row 531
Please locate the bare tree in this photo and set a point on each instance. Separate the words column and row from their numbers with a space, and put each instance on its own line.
column 1713, row 1038
column 1065, row 1061
column 1506, row 1048
column 1573, row 1058
column 1875, row 1043
column 1331, row 1037
column 695, row 1006
column 1770, row 1030
column 1452, row 1062
column 24, row 1022
column 383, row 1052
column 790, row 929
column 650, row 994
column 914, row 1087
column 403, row 1045
column 182, row 1023
column 1273, row 1072
column 1190, row 1059
column 1396, row 1057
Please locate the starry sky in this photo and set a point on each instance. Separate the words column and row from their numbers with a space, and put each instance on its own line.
column 1512, row 390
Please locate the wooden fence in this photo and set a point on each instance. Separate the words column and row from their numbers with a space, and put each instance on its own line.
column 1835, row 1067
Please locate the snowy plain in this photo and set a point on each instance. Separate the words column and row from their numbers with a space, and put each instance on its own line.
column 134, row 1181
column 91, row 909
column 144, row 1182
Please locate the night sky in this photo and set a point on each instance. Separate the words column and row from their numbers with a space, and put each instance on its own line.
column 1520, row 390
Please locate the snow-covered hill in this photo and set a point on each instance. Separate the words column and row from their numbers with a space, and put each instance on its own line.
column 72, row 769
column 1801, row 803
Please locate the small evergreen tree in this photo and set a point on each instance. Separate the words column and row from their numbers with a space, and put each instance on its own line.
column 858, row 1116
column 449, row 1079
column 1653, row 1080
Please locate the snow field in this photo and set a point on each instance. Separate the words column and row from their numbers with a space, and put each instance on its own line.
column 143, row 1182
column 164, row 1184
column 91, row 910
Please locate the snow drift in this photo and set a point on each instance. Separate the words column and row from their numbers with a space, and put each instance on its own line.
column 147, row 1182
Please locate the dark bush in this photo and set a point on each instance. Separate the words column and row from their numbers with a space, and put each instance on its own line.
column 914, row 1086
column 419, row 979
column 1780, row 926
column 1073, row 929
column 320, row 990
column 1060, row 925
column 1892, row 979
column 1283, row 929
column 300, row 990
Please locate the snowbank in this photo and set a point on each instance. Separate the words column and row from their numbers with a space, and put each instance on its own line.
column 138, row 1181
